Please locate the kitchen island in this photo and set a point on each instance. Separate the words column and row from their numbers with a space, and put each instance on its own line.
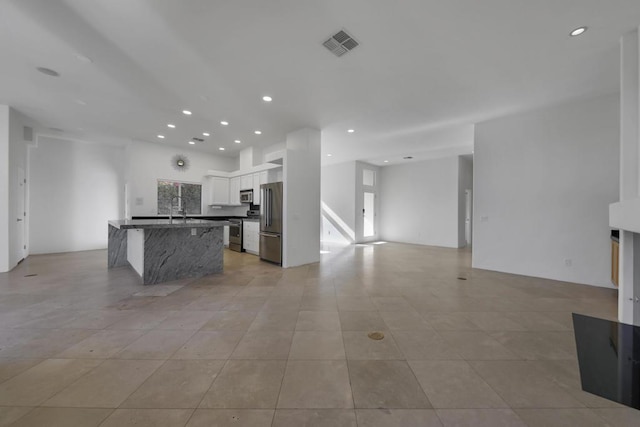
column 160, row 250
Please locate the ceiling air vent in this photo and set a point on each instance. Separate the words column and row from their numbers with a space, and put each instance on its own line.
column 340, row 43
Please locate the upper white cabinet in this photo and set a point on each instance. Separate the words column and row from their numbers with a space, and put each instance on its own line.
column 218, row 190
column 234, row 191
column 274, row 175
column 258, row 179
column 246, row 182
column 224, row 187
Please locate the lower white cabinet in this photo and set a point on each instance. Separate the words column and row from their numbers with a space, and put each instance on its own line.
column 251, row 236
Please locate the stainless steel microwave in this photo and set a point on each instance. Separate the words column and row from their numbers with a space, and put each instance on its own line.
column 246, row 196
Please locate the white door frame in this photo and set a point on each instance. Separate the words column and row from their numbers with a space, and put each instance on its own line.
column 361, row 189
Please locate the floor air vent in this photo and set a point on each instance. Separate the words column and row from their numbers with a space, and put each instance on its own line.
column 340, row 43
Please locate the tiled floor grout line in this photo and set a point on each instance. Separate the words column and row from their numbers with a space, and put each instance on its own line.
column 206, row 392
column 70, row 384
column 284, row 373
column 228, row 359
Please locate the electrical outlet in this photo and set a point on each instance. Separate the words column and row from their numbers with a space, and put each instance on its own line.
column 194, row 231
column 568, row 262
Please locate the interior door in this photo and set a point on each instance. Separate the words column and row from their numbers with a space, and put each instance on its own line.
column 19, row 216
column 468, row 215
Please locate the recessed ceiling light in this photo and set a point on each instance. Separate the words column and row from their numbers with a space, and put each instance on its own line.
column 192, row 142
column 237, row 141
column 257, row 132
column 171, row 126
column 224, row 123
column 386, row 161
column 48, row 71
column 221, row 148
column 267, row 98
column 161, row 136
column 578, row 31
column 329, row 155
column 350, row 130
column 186, row 112
column 205, row 133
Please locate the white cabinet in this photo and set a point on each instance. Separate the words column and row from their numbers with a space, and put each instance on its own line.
column 274, row 175
column 225, row 236
column 234, row 191
column 218, row 191
column 246, row 182
column 251, row 236
column 258, row 179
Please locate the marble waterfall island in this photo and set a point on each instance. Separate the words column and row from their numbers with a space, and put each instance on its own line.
column 161, row 250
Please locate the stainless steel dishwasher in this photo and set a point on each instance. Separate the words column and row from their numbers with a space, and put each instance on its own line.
column 235, row 235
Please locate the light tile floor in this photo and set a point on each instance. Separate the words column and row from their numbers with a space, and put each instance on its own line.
column 81, row 345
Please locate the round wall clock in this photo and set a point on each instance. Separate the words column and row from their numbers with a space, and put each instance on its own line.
column 180, row 162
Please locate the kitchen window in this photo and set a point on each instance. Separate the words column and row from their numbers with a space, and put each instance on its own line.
column 191, row 195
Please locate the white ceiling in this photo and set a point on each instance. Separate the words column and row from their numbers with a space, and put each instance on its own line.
column 424, row 73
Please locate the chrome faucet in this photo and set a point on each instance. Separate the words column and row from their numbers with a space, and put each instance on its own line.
column 182, row 208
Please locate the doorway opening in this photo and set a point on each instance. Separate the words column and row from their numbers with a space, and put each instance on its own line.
column 468, row 215
column 20, row 247
column 369, row 214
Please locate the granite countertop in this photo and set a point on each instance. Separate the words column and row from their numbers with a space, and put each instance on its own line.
column 125, row 224
column 251, row 219
column 209, row 217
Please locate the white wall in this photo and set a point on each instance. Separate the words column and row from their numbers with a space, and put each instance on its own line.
column 250, row 157
column 301, row 234
column 339, row 205
column 76, row 187
column 81, row 186
column 419, row 202
column 266, row 151
column 147, row 163
column 465, row 182
column 625, row 215
column 543, row 181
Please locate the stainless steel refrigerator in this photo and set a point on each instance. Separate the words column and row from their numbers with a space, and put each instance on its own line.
column 271, row 222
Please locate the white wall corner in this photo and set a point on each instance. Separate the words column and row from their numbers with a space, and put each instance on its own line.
column 302, row 194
